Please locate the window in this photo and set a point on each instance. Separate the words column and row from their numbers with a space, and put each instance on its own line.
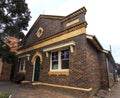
column 22, row 65
column 59, row 60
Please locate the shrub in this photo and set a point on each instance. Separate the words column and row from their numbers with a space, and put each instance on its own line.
column 19, row 77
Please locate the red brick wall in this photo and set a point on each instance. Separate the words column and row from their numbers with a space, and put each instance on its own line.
column 84, row 66
column 104, row 75
column 6, row 71
column 83, row 63
column 93, row 67
column 111, row 73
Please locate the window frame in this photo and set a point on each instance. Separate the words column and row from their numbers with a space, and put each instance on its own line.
column 59, row 47
column 59, row 61
column 24, row 65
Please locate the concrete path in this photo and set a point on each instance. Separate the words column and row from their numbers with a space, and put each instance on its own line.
column 115, row 91
column 19, row 91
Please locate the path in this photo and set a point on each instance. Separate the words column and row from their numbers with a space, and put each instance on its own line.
column 19, row 91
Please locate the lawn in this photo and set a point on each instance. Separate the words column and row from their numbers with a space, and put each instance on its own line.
column 5, row 95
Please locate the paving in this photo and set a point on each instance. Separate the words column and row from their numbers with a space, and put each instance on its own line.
column 115, row 91
column 21, row 91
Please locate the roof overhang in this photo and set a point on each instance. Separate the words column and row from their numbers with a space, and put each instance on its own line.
column 95, row 42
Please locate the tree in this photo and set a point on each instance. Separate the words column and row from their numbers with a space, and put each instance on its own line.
column 6, row 54
column 14, row 18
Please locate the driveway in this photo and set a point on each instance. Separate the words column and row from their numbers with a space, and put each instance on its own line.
column 21, row 91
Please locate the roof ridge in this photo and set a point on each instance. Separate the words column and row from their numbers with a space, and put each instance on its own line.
column 51, row 16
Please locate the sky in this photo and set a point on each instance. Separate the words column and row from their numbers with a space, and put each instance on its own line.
column 103, row 18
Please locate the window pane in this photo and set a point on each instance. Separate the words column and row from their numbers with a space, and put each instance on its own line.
column 54, row 56
column 65, row 59
column 55, row 60
column 55, row 65
column 65, row 54
column 65, row 64
column 21, row 64
column 21, row 67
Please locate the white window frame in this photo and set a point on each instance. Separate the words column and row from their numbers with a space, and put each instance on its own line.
column 24, row 61
column 68, row 45
column 59, row 62
column 24, row 58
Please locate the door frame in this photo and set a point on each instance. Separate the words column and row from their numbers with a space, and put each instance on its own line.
column 37, row 54
column 38, row 73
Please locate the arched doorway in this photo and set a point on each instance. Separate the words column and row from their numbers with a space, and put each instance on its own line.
column 36, row 69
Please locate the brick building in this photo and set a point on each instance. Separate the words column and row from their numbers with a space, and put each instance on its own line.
column 58, row 52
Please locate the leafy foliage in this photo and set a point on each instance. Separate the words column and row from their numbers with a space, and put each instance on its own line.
column 14, row 17
column 6, row 54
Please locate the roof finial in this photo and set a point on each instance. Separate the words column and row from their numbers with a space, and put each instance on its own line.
column 110, row 48
column 43, row 12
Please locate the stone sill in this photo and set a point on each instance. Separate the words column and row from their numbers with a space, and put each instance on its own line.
column 59, row 73
column 22, row 72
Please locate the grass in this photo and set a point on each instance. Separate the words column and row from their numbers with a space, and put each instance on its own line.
column 5, row 95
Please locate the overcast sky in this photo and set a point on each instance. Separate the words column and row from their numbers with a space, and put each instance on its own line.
column 103, row 18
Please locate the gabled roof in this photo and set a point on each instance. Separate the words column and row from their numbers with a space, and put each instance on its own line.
column 43, row 16
column 73, row 28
